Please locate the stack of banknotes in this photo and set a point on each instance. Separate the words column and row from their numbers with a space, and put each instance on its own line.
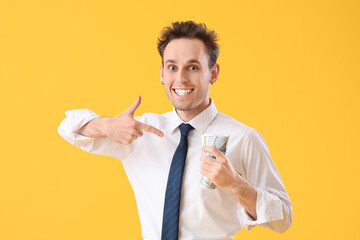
column 212, row 140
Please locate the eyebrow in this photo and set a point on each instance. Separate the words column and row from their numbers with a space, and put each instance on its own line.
column 190, row 61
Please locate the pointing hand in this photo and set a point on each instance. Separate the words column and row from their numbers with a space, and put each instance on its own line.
column 124, row 128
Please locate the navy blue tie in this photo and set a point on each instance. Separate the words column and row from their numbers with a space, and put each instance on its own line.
column 170, row 226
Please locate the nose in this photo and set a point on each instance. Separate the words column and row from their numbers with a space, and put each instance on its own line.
column 182, row 75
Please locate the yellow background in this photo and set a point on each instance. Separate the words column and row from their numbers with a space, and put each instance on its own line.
column 289, row 69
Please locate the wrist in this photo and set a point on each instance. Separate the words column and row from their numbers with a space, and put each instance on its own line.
column 236, row 185
column 242, row 189
column 102, row 123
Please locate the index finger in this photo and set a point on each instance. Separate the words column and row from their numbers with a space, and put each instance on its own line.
column 151, row 129
column 213, row 150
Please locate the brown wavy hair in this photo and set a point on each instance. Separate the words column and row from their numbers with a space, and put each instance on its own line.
column 190, row 29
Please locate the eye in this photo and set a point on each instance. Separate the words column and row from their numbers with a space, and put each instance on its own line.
column 193, row 68
column 171, row 67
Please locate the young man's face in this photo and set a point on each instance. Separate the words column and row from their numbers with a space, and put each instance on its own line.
column 186, row 75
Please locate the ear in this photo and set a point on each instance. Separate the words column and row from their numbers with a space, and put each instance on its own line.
column 161, row 74
column 214, row 73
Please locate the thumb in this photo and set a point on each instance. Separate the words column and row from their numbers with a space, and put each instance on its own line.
column 131, row 110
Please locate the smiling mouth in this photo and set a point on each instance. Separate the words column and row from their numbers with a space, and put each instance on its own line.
column 183, row 92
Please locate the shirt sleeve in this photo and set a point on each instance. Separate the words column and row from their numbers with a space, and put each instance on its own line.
column 105, row 146
column 273, row 206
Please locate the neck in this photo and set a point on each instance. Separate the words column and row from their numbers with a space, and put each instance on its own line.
column 187, row 115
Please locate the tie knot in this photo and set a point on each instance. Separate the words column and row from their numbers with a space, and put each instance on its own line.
column 184, row 129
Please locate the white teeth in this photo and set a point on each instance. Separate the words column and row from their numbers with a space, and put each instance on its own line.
column 182, row 92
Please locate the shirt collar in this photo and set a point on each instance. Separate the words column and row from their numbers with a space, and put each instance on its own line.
column 200, row 122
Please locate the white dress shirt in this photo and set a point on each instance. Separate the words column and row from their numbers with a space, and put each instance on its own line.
column 204, row 213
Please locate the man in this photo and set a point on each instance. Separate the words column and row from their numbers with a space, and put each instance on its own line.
column 249, row 190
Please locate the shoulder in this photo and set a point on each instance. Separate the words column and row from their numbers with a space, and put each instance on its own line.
column 234, row 126
column 238, row 131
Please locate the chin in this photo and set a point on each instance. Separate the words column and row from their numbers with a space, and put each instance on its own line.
column 183, row 107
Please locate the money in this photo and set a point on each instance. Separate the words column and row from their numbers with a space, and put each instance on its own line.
column 212, row 140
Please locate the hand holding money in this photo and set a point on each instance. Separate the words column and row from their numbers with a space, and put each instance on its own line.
column 217, row 170
column 212, row 140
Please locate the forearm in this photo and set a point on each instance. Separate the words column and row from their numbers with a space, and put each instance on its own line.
column 85, row 130
column 245, row 194
column 94, row 128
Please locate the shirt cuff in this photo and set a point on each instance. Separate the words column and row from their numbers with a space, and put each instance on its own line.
column 268, row 208
column 74, row 120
